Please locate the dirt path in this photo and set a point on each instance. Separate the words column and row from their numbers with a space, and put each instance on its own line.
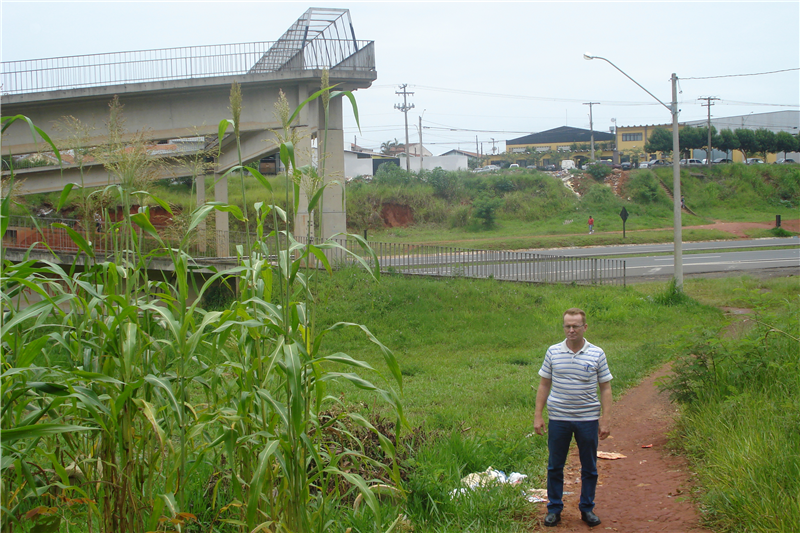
column 648, row 491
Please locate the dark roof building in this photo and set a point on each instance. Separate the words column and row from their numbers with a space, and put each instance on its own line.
column 563, row 134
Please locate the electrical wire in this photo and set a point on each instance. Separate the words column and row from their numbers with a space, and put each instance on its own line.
column 741, row 75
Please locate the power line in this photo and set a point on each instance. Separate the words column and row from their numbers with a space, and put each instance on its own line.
column 741, row 75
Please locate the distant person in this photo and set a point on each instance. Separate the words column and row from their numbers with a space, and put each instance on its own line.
column 591, row 225
column 570, row 375
column 683, row 202
column 98, row 222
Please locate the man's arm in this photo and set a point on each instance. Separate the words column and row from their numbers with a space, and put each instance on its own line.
column 541, row 400
column 605, row 405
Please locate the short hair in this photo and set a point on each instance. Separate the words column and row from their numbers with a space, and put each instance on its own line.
column 575, row 311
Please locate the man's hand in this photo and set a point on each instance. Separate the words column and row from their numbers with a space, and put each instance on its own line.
column 538, row 425
column 605, row 429
column 605, row 405
column 541, row 399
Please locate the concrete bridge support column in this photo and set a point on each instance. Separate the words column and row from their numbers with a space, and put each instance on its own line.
column 303, row 155
column 333, row 208
column 221, row 195
column 202, row 239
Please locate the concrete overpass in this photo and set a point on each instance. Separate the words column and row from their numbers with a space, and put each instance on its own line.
column 184, row 92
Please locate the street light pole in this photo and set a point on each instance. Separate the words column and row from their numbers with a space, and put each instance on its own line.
column 591, row 124
column 676, row 169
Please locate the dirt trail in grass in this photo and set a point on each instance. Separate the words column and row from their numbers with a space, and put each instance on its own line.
column 648, row 491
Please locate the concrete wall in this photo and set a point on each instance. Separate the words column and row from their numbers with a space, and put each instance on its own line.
column 355, row 166
column 447, row 162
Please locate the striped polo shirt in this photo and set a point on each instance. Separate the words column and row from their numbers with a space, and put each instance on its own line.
column 575, row 376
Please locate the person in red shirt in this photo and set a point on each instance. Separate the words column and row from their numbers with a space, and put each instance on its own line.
column 591, row 224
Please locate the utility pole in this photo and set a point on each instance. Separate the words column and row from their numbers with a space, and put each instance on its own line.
column 477, row 149
column 494, row 151
column 591, row 124
column 708, row 104
column 421, row 155
column 676, row 188
column 405, row 108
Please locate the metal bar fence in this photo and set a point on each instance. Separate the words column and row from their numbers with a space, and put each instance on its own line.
column 193, row 62
column 411, row 259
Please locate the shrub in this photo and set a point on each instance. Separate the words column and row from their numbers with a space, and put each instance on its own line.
column 459, row 217
column 446, row 185
column 598, row 172
column 484, row 208
column 390, row 174
column 600, row 197
column 643, row 187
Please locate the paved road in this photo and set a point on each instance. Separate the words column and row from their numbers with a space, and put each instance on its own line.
column 716, row 262
column 629, row 249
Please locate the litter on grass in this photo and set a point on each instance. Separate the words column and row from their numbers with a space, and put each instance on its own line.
column 489, row 477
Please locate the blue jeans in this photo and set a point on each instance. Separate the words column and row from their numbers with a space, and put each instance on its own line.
column 559, row 436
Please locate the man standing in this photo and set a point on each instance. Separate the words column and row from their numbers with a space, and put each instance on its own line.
column 570, row 375
column 591, row 224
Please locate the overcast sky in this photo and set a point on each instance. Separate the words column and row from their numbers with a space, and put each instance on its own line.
column 494, row 70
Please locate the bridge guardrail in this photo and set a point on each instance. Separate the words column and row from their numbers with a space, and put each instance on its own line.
column 117, row 68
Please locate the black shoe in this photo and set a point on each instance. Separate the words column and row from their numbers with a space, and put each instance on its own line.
column 552, row 519
column 590, row 518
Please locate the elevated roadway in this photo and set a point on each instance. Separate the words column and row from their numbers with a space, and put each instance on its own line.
column 185, row 92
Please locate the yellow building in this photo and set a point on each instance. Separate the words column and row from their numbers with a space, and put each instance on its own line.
column 631, row 141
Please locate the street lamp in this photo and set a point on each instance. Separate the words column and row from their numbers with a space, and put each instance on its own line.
column 676, row 169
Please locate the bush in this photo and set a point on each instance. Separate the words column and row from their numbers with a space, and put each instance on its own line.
column 392, row 175
column 598, row 171
column 459, row 217
column 446, row 185
column 643, row 187
column 484, row 208
column 600, row 197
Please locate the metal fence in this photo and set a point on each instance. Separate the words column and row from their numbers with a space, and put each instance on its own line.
column 412, row 259
column 73, row 72
column 447, row 261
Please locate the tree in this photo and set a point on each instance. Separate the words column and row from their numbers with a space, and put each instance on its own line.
column 659, row 141
column 690, row 138
column 747, row 142
column 727, row 141
column 703, row 132
column 389, row 147
column 785, row 142
column 766, row 141
column 484, row 207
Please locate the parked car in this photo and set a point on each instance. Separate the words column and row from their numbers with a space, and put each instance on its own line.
column 659, row 163
column 626, row 165
column 551, row 168
column 644, row 164
column 786, row 161
column 513, row 165
column 755, row 161
column 491, row 167
column 691, row 163
column 720, row 160
column 531, row 167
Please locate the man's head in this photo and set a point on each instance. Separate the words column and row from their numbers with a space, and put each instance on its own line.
column 574, row 326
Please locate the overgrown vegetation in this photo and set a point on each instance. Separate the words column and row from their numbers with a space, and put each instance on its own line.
column 739, row 382
column 442, row 204
column 127, row 407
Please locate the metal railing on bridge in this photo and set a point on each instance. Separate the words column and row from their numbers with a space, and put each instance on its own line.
column 96, row 70
column 411, row 259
